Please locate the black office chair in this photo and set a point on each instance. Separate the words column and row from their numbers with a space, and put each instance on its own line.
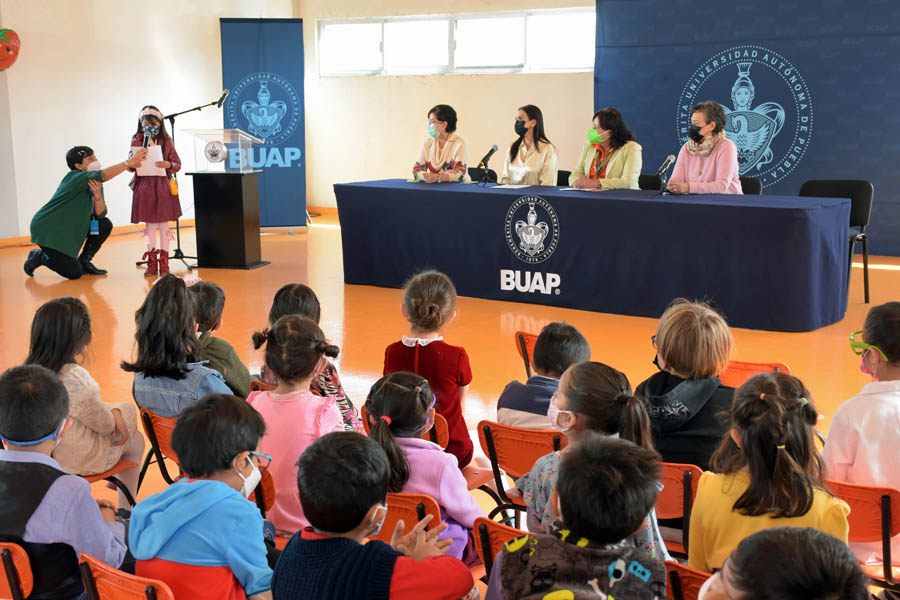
column 562, row 178
column 751, row 186
column 861, row 194
column 649, row 182
column 475, row 174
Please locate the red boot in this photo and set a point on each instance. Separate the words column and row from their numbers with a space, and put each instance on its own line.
column 152, row 267
column 163, row 262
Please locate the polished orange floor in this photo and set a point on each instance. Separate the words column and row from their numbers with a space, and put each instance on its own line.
column 363, row 320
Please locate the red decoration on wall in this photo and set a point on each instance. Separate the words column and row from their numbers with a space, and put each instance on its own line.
column 9, row 48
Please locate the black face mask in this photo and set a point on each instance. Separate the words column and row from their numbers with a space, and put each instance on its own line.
column 694, row 133
column 520, row 127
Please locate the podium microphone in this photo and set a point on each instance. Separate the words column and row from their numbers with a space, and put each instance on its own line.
column 146, row 140
column 222, row 99
column 669, row 160
column 487, row 156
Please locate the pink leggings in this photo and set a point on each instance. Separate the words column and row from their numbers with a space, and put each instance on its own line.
column 165, row 235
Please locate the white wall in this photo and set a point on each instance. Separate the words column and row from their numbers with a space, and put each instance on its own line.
column 85, row 70
column 371, row 127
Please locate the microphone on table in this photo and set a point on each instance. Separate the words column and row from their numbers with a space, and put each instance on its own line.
column 669, row 160
column 222, row 99
column 146, row 140
column 488, row 156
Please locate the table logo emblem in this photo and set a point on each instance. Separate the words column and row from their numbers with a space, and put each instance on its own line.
column 766, row 150
column 532, row 229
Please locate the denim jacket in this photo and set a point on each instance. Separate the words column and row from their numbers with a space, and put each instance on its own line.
column 168, row 397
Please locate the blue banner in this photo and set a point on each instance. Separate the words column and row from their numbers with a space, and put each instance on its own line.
column 809, row 88
column 262, row 65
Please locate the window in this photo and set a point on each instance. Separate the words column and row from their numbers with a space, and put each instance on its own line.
column 511, row 42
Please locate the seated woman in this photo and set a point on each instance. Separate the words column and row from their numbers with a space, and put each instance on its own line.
column 531, row 159
column 707, row 163
column 443, row 156
column 610, row 158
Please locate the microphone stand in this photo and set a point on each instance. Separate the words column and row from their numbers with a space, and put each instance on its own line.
column 177, row 254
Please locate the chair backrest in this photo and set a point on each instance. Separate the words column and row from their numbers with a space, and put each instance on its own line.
column 673, row 502
column 439, row 432
column 860, row 192
column 871, row 510
column 261, row 386
column 16, row 580
column 514, row 449
column 489, row 539
column 159, row 432
column 264, row 494
column 475, row 174
column 410, row 508
column 737, row 372
column 649, row 182
column 102, row 582
column 683, row 582
column 562, row 178
column 751, row 186
column 525, row 347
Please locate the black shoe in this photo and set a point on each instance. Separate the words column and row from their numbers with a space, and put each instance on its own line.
column 35, row 259
column 89, row 268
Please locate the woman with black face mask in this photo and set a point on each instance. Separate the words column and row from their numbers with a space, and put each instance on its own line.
column 531, row 159
column 707, row 163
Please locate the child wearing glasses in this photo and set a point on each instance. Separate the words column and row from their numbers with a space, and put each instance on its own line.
column 862, row 443
column 296, row 352
column 400, row 408
column 200, row 535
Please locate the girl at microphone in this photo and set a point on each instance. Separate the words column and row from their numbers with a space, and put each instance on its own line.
column 155, row 201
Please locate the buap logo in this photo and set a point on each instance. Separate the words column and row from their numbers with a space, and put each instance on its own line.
column 532, row 229
column 766, row 150
column 266, row 105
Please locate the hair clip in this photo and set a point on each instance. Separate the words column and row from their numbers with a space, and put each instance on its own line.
column 762, row 396
column 418, row 389
column 386, row 418
column 803, row 402
column 781, row 447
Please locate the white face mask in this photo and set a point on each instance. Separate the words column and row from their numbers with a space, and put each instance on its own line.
column 94, row 166
column 380, row 523
column 251, row 481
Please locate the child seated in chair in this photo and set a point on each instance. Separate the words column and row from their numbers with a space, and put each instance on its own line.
column 558, row 347
column 209, row 304
column 606, row 488
column 200, row 535
column 343, row 481
column 47, row 511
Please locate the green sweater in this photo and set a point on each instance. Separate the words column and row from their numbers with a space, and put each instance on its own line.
column 64, row 222
column 223, row 358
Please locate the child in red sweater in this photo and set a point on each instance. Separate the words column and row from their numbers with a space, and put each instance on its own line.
column 429, row 305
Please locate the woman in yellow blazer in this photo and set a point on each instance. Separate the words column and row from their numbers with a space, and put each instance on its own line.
column 610, row 158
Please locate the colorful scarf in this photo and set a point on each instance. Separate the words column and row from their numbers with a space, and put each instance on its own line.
column 706, row 146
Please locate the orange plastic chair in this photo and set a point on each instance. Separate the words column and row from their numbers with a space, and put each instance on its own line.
column 684, row 583
column 110, row 476
column 264, row 494
column 514, row 450
column 525, row 347
column 102, row 582
column 159, row 432
column 874, row 517
column 676, row 499
column 261, row 386
column 410, row 508
column 737, row 372
column 17, row 580
column 489, row 539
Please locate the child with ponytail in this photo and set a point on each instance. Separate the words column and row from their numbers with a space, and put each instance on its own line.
column 400, row 408
column 296, row 352
column 591, row 397
column 768, row 473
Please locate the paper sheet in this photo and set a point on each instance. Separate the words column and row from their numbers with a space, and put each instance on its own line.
column 148, row 168
column 571, row 189
column 509, row 186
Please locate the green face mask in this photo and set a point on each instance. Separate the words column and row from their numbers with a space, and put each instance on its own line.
column 594, row 137
column 432, row 130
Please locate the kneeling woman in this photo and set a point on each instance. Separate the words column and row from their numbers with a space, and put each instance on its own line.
column 531, row 159
column 610, row 158
column 443, row 157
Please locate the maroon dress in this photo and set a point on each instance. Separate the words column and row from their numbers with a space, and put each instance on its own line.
column 153, row 201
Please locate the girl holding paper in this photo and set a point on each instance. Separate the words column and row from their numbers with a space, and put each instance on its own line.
column 155, row 201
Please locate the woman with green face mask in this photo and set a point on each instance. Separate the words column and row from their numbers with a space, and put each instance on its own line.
column 443, row 157
column 610, row 158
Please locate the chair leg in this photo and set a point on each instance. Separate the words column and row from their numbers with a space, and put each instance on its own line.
column 123, row 488
column 144, row 469
column 865, row 245
column 850, row 264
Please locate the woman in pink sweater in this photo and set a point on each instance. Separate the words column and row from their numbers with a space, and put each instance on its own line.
column 400, row 408
column 707, row 163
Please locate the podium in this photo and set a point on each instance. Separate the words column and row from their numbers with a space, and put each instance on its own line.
column 226, row 199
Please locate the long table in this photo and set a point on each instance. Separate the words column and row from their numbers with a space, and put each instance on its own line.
column 776, row 263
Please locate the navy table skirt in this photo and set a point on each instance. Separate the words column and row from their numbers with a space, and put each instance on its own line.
column 766, row 262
